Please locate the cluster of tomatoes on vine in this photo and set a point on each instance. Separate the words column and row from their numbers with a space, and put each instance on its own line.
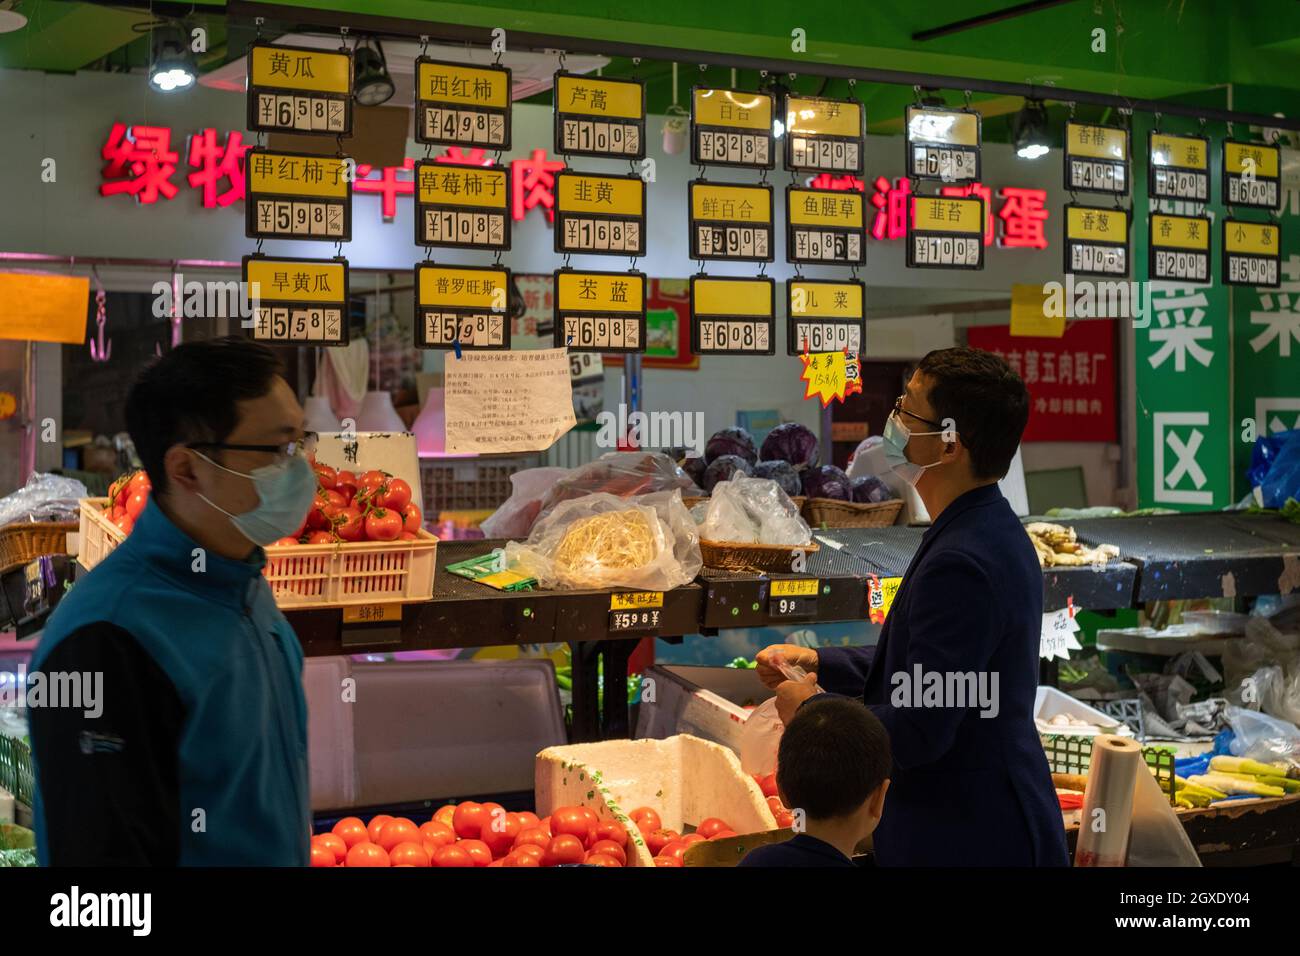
column 369, row 506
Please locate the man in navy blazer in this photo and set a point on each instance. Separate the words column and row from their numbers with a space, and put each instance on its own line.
column 954, row 674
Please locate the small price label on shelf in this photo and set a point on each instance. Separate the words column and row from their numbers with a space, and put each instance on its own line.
column 803, row 587
column 795, row 606
column 636, row 600
column 643, row 619
column 371, row 613
column 1058, row 635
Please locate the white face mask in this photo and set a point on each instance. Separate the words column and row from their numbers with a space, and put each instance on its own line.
column 285, row 492
column 896, row 438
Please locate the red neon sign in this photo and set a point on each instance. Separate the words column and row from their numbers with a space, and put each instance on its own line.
column 387, row 185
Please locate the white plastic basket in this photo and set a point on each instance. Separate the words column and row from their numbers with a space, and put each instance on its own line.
column 309, row 575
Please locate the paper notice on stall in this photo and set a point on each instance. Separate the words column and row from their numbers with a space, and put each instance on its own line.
column 1058, row 634
column 507, row 402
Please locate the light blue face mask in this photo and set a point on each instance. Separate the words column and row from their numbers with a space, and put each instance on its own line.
column 896, row 438
column 285, row 492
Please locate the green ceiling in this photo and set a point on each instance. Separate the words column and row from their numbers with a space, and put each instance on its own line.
column 1154, row 48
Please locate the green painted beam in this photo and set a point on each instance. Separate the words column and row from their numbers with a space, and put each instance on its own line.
column 64, row 37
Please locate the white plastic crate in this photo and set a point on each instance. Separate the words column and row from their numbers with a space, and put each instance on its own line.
column 684, row 778
column 309, row 575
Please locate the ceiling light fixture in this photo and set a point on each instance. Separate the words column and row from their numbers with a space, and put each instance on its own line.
column 373, row 86
column 1029, row 131
column 172, row 66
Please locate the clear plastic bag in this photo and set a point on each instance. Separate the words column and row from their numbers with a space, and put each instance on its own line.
column 515, row 517
column 45, row 497
column 598, row 541
column 1260, row 737
column 753, row 511
column 1283, row 478
column 622, row 474
column 760, row 735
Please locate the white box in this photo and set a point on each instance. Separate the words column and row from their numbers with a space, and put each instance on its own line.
column 1049, row 702
column 683, row 778
column 330, row 746
column 393, row 452
column 708, row 702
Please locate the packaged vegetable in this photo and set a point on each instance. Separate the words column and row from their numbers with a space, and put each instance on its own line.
column 783, row 473
column 622, row 474
column 753, row 511
column 724, row 468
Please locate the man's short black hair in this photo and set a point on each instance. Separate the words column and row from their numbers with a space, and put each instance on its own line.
column 833, row 756
column 190, row 394
column 986, row 399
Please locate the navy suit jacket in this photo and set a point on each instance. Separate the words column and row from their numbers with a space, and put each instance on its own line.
column 966, row 790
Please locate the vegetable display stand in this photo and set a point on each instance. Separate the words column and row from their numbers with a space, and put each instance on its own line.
column 686, row 779
column 758, row 558
column 25, row 541
column 832, row 513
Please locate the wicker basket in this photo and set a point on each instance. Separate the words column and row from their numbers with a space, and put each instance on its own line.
column 22, row 542
column 830, row 513
column 737, row 556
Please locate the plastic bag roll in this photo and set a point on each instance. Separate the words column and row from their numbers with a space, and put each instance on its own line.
column 1108, row 801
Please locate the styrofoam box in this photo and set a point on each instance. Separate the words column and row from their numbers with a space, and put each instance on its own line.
column 705, row 701
column 432, row 729
column 684, row 778
column 330, row 744
column 1049, row 702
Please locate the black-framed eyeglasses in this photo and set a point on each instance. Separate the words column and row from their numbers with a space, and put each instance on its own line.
column 900, row 410
column 299, row 447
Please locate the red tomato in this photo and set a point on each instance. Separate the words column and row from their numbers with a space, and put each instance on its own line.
column 612, row 830
column 784, row 818
column 674, row 849
column 711, row 826
column 532, row 836
column 383, row 525
column 667, row 861
column 768, row 785
column 322, row 856
column 656, row 840
column 409, row 853
column 334, row 843
column 347, row 522
column 135, row 504
column 774, row 804
column 397, row 497
column 117, row 512
column 375, row 825
column 452, row 856
column 564, row 848
column 332, row 497
column 437, row 833
column 609, row 848
column 478, row 851
column 370, row 482
column 692, row 838
column 125, row 523
column 499, row 832
column 345, row 483
column 367, row 854
column 545, row 824
column 316, row 518
column 529, row 849
column 574, row 821
column 412, row 520
column 645, row 819
column 600, row 859
column 444, row 814
column 140, row 483
column 723, row 834
column 500, row 862
column 351, row 831
column 322, row 537
column 286, row 542
column 326, row 476
column 398, row 831
column 467, row 820
column 520, row 859
column 407, row 536
column 527, row 819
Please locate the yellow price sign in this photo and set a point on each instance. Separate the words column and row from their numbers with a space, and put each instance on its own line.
column 464, row 287
column 1096, row 142
column 1180, row 232
column 1251, row 253
column 372, row 613
column 599, row 291
column 293, row 89
column 831, row 376
column 599, row 195
column 445, row 184
column 635, row 600
column 1096, row 225
column 732, row 109
column 297, row 174
column 801, row 588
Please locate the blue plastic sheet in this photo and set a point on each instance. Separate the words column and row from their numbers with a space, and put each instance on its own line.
column 1275, row 467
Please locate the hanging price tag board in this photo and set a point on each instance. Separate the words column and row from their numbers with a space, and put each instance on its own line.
column 731, row 222
column 1179, row 167
column 1096, row 159
column 297, row 301
column 825, row 226
column 824, row 135
column 460, row 105
column 599, row 117
column 466, row 207
column 599, row 311
column 297, row 196
column 943, row 144
column 294, row 89
column 946, row 232
column 462, row 306
column 1180, row 247
column 824, row 316
column 732, row 128
column 599, row 215
column 1096, row 241
column 1251, row 175
column 1252, row 253
column 733, row 316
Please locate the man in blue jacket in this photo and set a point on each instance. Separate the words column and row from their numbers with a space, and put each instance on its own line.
column 198, row 754
column 954, row 674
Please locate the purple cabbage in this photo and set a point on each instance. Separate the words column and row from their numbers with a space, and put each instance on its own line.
column 826, row 481
column 868, row 489
column 731, row 441
column 694, row 469
column 791, row 442
column 783, row 473
column 724, row 468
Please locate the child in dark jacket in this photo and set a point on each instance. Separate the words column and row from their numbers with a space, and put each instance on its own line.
column 832, row 772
